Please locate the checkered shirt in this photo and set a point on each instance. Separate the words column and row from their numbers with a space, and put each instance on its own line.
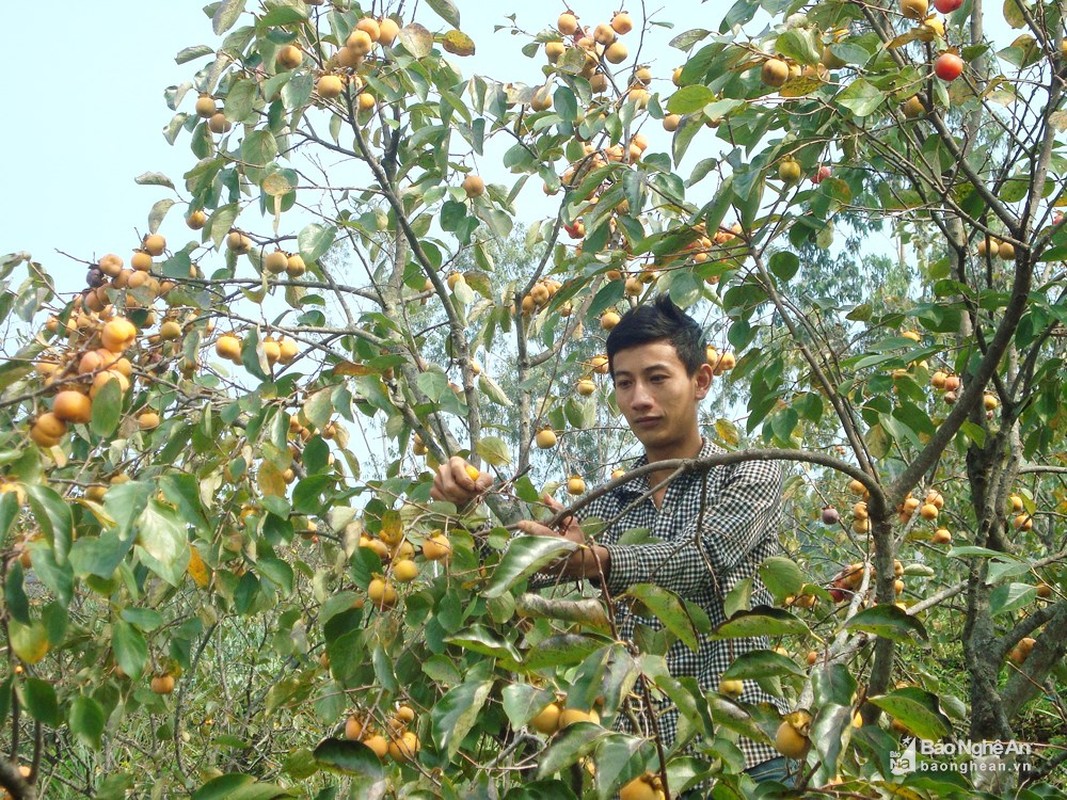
column 738, row 530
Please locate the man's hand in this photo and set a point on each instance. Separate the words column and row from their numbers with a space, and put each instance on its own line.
column 458, row 482
column 589, row 561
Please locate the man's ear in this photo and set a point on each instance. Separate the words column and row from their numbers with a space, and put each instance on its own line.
column 703, row 380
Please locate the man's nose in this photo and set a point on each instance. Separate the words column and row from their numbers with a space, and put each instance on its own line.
column 641, row 397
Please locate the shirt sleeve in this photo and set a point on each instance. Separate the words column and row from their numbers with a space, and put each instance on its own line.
column 711, row 546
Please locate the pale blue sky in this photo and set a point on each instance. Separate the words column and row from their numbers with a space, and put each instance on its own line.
column 89, row 94
column 87, row 110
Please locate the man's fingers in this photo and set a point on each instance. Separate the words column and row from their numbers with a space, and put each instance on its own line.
column 536, row 528
column 564, row 524
column 552, row 503
column 458, row 468
column 454, row 481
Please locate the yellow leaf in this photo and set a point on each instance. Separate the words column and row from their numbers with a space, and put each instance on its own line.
column 198, row 570
column 1013, row 14
column 416, row 39
column 350, row 368
column 799, row 87
column 392, row 528
column 271, row 481
column 30, row 642
column 458, row 43
column 727, row 432
column 903, row 39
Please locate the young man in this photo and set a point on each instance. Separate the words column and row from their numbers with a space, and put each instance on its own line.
column 712, row 529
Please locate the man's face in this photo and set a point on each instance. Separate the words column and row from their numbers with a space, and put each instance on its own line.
column 658, row 398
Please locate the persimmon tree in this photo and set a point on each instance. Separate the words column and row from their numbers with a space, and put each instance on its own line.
column 223, row 571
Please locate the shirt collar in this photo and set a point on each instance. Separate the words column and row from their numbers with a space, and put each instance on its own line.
column 639, row 486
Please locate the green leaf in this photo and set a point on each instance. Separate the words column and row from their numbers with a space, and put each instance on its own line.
column 686, row 39
column 668, row 609
column 758, row 664
column 565, row 104
column 239, row 787
column 318, row 407
column 493, row 391
column 1010, row 597
column 40, row 700
column 830, row 732
column 188, row 54
column 494, row 450
column 154, row 178
column 283, row 15
column 832, row 684
column 348, row 758
column 300, row 764
column 525, row 556
column 889, row 622
column 226, row 15
column 158, row 213
column 18, row 604
column 562, row 650
column 107, row 409
column 126, row 502
column 57, row 577
column 240, row 100
column 314, row 240
column 383, row 669
column 480, row 639
column 6, row 687
column 307, row 496
column 541, row 790
column 162, row 542
column 918, row 709
column 973, row 551
column 452, row 214
column 861, row 98
column 130, row 648
column 182, row 490
column 798, row 44
column 784, row 265
column 738, row 598
column 1014, row 189
column 87, row 721
column 446, row 10
column 147, row 619
column 277, row 571
column 761, row 621
column 222, row 787
column 9, row 511
column 573, row 742
column 619, row 759
column 690, row 99
column 54, row 519
column 259, row 148
column 455, row 714
column 220, row 223
column 781, row 576
column 522, row 702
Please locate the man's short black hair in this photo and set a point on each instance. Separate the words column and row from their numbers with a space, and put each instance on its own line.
column 660, row 320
